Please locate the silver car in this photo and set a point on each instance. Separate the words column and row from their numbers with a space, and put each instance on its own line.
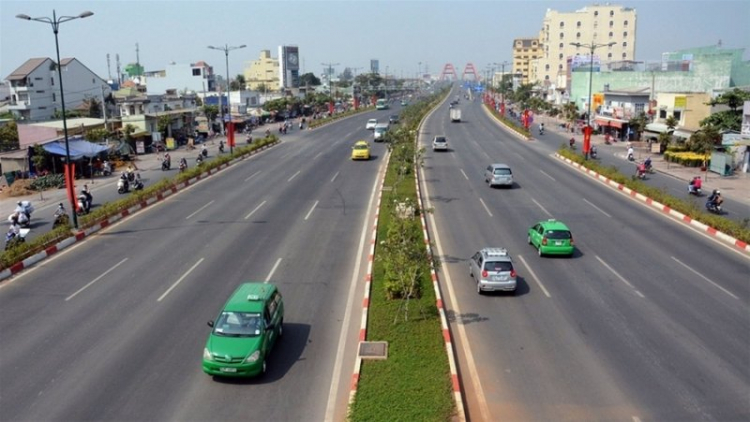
column 439, row 143
column 498, row 175
column 492, row 270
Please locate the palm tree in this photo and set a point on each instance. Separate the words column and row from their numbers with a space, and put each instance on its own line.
column 671, row 123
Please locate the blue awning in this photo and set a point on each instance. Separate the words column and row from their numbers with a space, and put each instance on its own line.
column 78, row 149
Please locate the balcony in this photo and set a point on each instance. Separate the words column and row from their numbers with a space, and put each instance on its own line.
column 20, row 105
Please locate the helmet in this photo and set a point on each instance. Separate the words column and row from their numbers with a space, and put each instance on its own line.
column 718, row 191
column 18, row 203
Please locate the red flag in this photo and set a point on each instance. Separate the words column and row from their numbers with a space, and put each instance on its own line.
column 587, row 139
column 356, row 103
column 230, row 134
column 69, row 170
column 330, row 107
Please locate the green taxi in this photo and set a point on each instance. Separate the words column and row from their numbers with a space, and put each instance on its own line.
column 245, row 332
column 551, row 237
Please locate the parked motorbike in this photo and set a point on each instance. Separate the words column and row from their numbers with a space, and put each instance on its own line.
column 123, row 186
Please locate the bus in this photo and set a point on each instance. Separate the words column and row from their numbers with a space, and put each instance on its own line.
column 382, row 104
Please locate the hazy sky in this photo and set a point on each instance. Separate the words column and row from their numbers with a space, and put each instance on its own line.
column 398, row 33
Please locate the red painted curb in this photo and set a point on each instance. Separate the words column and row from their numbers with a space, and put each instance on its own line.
column 51, row 250
column 18, row 266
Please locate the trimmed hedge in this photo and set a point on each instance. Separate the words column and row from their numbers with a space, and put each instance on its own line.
column 320, row 122
column 692, row 209
column 687, row 158
column 509, row 123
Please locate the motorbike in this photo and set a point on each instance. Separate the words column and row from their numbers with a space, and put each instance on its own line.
column 137, row 185
column 204, row 152
column 183, row 166
column 84, row 205
column 221, row 147
column 593, row 153
column 61, row 217
column 24, row 209
column 631, row 157
column 12, row 239
column 640, row 173
column 541, row 131
column 123, row 186
column 713, row 207
column 692, row 190
column 106, row 169
column 165, row 165
column 130, row 175
column 199, row 160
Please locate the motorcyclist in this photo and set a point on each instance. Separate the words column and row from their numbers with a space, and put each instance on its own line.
column 592, row 151
column 695, row 184
column 572, row 142
column 89, row 196
column 183, row 163
column 541, row 128
column 631, row 153
column 641, row 170
column 24, row 207
column 60, row 210
column 204, row 150
column 125, row 181
column 107, row 168
column 221, row 146
column 167, row 162
column 199, row 160
column 647, row 163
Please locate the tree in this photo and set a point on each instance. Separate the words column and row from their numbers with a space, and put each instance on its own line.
column 96, row 135
column 309, row 79
column 163, row 125
column 39, row 159
column 127, row 131
column 92, row 107
column 570, row 112
column 210, row 111
column 198, row 101
column 9, row 137
column 671, row 123
column 238, row 84
column 727, row 119
column 638, row 124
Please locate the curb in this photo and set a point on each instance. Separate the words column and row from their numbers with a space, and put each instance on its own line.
column 87, row 232
column 368, row 285
column 738, row 244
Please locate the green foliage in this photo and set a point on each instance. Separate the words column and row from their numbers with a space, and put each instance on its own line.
column 9, row 136
column 570, row 111
column 210, row 111
column 309, row 79
column 509, row 123
column 24, row 250
column 96, row 135
column 163, row 123
column 40, row 157
column 638, row 124
column 50, row 181
column 690, row 208
column 92, row 107
column 724, row 120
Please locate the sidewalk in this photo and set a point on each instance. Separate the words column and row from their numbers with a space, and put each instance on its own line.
column 735, row 187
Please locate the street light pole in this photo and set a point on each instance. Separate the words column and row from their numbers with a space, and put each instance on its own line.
column 502, row 87
column 226, row 49
column 591, row 47
column 55, row 22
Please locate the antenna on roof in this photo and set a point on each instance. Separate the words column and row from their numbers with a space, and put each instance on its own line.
column 719, row 43
column 109, row 68
column 119, row 72
column 137, row 54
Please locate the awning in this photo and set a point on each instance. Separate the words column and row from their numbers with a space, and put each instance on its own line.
column 609, row 122
column 78, row 149
column 658, row 128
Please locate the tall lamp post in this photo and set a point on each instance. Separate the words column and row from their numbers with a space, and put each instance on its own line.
column 591, row 47
column 55, row 22
column 226, row 49
column 502, row 87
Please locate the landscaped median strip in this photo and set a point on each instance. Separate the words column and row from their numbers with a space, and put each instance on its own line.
column 739, row 244
column 51, row 250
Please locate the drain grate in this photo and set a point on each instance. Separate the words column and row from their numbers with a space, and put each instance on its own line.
column 373, row 349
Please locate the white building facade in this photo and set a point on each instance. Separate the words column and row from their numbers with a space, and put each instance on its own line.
column 182, row 78
column 35, row 88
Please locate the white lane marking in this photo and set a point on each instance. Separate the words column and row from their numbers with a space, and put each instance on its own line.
column 334, row 176
column 179, row 280
column 705, row 278
column 256, row 209
column 338, row 362
column 543, row 209
column 253, row 175
column 598, row 209
column 95, row 280
column 620, row 277
column 293, row 176
column 199, row 210
column 485, row 207
column 473, row 375
column 544, row 173
column 636, row 419
column 534, row 276
column 317, row 155
column 273, row 270
column 465, row 176
column 311, row 210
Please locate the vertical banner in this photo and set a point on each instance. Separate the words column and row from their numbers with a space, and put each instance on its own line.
column 230, row 134
column 502, row 108
column 69, row 170
column 356, row 103
column 587, row 139
column 330, row 108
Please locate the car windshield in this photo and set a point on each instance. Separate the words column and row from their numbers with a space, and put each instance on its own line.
column 372, row 121
column 360, row 146
column 498, row 266
column 238, row 324
column 502, row 171
column 557, row 234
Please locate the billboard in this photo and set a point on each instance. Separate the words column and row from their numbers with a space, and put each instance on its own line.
column 582, row 63
column 375, row 66
column 289, row 69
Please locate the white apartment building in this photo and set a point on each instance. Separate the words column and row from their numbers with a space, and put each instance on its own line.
column 592, row 25
column 35, row 88
column 182, row 78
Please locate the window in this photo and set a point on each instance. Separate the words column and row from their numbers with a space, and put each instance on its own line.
column 596, row 13
column 559, row 67
column 625, row 34
column 611, row 24
column 546, row 77
column 639, row 108
column 677, row 115
column 37, row 79
column 578, row 35
column 562, row 45
column 52, row 81
column 93, row 81
column 611, row 13
column 578, row 24
column 546, row 67
column 609, row 55
column 562, row 35
column 54, row 97
column 624, row 55
column 625, row 23
column 663, row 114
column 562, row 24
column 196, row 72
column 611, row 34
column 561, row 56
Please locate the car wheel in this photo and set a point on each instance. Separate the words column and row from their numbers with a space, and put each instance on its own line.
column 281, row 328
column 528, row 239
column 539, row 251
column 264, row 368
column 479, row 288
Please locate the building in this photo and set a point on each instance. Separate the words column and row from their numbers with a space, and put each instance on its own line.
column 144, row 113
column 525, row 50
column 35, row 89
column 595, row 24
column 182, row 78
column 288, row 67
column 263, row 74
column 374, row 66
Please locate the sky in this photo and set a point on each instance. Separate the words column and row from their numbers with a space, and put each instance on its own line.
column 400, row 34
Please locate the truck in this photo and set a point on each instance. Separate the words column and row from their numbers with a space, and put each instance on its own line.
column 382, row 104
column 455, row 115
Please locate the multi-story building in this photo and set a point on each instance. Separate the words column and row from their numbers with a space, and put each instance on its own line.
column 35, row 88
column 288, row 66
column 263, row 73
column 592, row 25
column 183, row 78
column 525, row 50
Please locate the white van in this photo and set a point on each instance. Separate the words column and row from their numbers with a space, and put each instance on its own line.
column 379, row 132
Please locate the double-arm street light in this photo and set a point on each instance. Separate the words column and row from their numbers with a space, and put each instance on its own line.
column 55, row 21
column 226, row 49
column 591, row 47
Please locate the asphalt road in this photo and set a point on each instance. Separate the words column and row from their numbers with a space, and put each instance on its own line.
column 647, row 321
column 114, row 328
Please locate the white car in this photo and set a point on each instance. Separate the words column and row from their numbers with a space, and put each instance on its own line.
column 371, row 124
column 439, row 143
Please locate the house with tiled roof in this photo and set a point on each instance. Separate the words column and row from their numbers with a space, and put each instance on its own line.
column 35, row 88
